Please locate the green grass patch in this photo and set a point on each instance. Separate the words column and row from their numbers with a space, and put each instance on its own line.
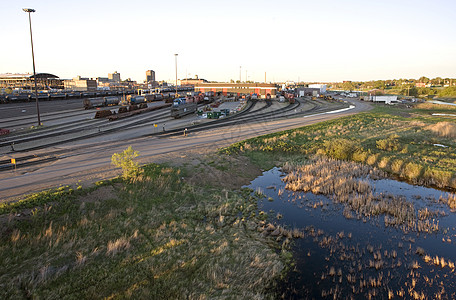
column 153, row 236
column 399, row 140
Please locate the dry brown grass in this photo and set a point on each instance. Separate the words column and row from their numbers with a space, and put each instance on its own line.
column 443, row 129
column 347, row 182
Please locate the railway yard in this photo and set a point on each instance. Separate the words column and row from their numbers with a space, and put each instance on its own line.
column 70, row 132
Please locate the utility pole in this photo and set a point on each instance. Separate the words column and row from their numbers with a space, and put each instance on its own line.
column 30, row 10
column 264, row 77
column 240, row 72
column 175, row 56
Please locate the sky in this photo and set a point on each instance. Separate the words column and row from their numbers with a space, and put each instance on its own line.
column 312, row 41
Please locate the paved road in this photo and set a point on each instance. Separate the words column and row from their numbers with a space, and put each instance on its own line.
column 91, row 162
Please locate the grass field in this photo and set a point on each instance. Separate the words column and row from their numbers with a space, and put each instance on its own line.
column 171, row 233
column 155, row 237
column 408, row 143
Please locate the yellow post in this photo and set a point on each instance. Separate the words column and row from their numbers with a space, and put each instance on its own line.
column 13, row 161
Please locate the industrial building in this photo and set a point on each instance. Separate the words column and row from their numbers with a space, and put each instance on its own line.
column 81, row 84
column 261, row 89
column 150, row 76
column 322, row 87
column 114, row 77
column 301, row 92
column 191, row 81
column 26, row 81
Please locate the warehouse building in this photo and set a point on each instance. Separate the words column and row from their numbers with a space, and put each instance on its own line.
column 81, row 84
column 26, row 81
column 261, row 89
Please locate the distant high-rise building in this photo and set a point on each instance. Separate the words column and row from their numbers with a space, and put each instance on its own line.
column 115, row 77
column 150, row 76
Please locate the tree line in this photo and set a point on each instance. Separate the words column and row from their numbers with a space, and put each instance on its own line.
column 424, row 86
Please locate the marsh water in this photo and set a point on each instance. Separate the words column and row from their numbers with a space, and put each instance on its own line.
column 360, row 257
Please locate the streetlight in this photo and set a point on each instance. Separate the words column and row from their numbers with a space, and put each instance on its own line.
column 175, row 56
column 30, row 10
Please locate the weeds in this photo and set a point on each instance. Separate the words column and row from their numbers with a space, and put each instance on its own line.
column 402, row 146
column 347, row 183
column 151, row 237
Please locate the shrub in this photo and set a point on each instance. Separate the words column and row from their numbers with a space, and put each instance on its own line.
column 389, row 144
column 448, row 92
column 339, row 148
column 125, row 161
column 372, row 159
column 384, row 162
column 396, row 166
column 413, row 170
column 360, row 155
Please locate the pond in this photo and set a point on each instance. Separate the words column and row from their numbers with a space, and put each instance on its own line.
column 342, row 253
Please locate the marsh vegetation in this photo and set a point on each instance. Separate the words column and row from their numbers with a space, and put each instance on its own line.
column 397, row 242
column 152, row 236
column 410, row 144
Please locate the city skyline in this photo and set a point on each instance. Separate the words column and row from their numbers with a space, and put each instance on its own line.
column 296, row 40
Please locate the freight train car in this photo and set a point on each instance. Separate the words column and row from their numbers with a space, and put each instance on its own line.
column 132, row 99
column 112, row 100
column 100, row 102
column 94, row 102
column 181, row 108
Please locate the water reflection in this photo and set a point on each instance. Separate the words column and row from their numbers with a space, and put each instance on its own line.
column 344, row 255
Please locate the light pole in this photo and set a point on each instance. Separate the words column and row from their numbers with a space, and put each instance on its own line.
column 175, row 56
column 30, row 10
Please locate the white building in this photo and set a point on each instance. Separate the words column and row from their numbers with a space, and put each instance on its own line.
column 322, row 87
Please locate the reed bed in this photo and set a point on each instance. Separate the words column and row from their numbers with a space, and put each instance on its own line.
column 348, row 183
column 419, row 148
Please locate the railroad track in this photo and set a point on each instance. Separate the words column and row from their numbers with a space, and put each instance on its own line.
column 244, row 117
column 72, row 129
column 249, row 114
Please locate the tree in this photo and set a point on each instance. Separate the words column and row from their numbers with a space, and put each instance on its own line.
column 348, row 86
column 379, row 84
column 424, row 79
column 125, row 161
column 409, row 90
column 437, row 81
column 448, row 92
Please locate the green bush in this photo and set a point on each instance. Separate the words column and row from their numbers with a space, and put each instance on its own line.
column 124, row 160
column 339, row 148
column 413, row 170
column 448, row 92
column 389, row 144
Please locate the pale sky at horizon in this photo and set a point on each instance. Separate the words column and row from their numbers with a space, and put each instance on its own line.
column 315, row 41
